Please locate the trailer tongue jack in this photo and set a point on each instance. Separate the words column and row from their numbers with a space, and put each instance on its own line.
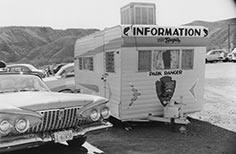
column 173, row 114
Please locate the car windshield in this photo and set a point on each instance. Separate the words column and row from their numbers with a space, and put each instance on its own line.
column 21, row 83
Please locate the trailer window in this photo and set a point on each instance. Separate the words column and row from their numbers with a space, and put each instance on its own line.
column 110, row 62
column 165, row 59
column 187, row 59
column 86, row 63
column 144, row 60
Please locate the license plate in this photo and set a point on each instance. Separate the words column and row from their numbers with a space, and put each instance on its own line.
column 63, row 136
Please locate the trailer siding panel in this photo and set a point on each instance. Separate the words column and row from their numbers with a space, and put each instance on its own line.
column 111, row 88
column 148, row 102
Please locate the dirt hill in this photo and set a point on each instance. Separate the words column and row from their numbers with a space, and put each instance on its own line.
column 39, row 45
column 219, row 32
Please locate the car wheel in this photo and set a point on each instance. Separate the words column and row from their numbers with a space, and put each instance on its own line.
column 66, row 91
column 77, row 142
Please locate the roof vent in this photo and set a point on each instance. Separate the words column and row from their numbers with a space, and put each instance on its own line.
column 138, row 13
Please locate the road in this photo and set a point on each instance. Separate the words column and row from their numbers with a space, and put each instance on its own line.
column 212, row 132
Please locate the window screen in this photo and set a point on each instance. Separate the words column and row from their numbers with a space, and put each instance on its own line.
column 144, row 60
column 165, row 59
column 138, row 15
column 187, row 59
column 144, row 15
column 110, row 62
column 150, row 16
column 86, row 63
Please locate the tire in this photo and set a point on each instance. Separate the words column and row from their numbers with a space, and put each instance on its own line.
column 77, row 142
column 66, row 91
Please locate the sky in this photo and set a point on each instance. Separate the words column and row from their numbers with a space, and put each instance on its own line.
column 64, row 14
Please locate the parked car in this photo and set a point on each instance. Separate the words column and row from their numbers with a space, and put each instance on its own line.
column 32, row 115
column 57, row 67
column 216, row 55
column 28, row 68
column 63, row 80
column 232, row 56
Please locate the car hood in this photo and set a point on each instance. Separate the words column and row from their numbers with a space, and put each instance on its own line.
column 38, row 101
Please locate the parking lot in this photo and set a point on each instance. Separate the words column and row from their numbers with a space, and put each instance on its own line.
column 213, row 130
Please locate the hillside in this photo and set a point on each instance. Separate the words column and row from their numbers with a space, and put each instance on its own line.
column 58, row 51
column 38, row 45
column 44, row 45
column 219, row 32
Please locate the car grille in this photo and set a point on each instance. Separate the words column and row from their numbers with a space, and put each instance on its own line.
column 58, row 119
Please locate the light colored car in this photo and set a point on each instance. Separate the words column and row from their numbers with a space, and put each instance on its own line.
column 232, row 56
column 27, row 68
column 32, row 115
column 63, row 80
column 216, row 55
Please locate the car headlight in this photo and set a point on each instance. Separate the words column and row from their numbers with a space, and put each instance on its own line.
column 94, row 115
column 22, row 125
column 5, row 127
column 105, row 112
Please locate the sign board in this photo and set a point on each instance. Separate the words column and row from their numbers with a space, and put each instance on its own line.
column 155, row 31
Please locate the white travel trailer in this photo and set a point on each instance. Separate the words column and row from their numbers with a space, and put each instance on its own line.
column 144, row 70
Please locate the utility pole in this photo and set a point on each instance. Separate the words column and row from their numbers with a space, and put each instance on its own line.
column 229, row 38
column 229, row 41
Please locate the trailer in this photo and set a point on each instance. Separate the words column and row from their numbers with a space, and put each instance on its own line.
column 147, row 72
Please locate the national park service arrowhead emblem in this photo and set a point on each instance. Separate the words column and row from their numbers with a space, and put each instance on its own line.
column 165, row 89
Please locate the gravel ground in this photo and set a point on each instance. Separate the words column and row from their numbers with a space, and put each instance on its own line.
column 220, row 96
column 220, row 104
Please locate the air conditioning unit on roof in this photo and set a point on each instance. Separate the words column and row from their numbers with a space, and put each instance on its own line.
column 138, row 13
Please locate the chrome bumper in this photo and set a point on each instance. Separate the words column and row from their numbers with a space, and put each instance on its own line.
column 33, row 140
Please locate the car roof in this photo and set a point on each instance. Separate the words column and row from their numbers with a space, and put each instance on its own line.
column 26, row 65
column 217, row 50
column 65, row 67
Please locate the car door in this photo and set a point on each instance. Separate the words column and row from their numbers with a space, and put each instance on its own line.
column 64, row 81
column 214, row 55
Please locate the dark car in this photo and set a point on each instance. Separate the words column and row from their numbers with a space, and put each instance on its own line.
column 2, row 65
column 32, row 115
column 27, row 68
